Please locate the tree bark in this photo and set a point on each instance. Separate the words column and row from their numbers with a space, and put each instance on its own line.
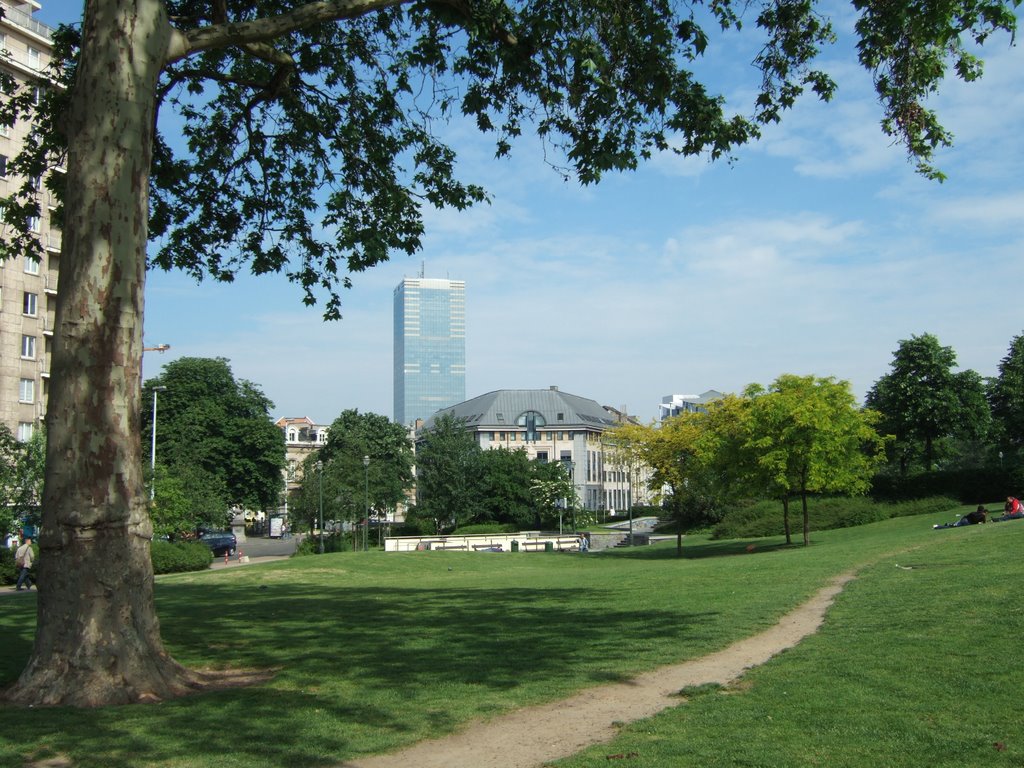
column 97, row 637
column 785, row 519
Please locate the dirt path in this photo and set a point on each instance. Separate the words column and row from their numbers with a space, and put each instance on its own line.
column 532, row 736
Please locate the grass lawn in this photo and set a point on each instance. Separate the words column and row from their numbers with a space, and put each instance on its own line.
column 916, row 664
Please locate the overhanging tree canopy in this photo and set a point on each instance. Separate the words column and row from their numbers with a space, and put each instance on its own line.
column 309, row 149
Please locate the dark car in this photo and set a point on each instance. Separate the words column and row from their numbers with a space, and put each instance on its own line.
column 220, row 542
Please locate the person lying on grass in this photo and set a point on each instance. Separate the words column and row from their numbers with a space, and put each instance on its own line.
column 980, row 515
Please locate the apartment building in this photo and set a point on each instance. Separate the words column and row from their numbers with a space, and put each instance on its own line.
column 28, row 288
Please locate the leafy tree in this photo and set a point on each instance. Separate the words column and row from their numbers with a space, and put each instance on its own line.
column 553, row 490
column 349, row 485
column 216, row 434
column 1006, row 396
column 447, row 461
column 503, row 488
column 172, row 510
column 22, row 468
column 922, row 401
column 308, row 149
column 807, row 435
column 683, row 476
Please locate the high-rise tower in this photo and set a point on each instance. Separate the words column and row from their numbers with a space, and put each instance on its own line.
column 430, row 347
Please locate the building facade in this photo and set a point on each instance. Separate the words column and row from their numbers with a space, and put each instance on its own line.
column 551, row 425
column 673, row 405
column 429, row 347
column 28, row 288
column 301, row 437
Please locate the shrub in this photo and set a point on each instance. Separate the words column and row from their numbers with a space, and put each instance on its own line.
column 764, row 518
column 333, row 542
column 179, row 556
column 488, row 527
column 8, row 573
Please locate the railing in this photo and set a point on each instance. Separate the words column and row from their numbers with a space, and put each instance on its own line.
column 25, row 21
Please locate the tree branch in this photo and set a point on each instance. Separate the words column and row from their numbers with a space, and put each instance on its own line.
column 185, row 43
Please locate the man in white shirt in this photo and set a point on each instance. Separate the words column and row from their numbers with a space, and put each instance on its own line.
column 23, row 561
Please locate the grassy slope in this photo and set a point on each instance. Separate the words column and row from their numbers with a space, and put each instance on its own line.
column 373, row 651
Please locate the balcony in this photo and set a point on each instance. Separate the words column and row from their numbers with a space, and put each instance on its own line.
column 26, row 22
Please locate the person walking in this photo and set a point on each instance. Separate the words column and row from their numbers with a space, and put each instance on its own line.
column 23, row 559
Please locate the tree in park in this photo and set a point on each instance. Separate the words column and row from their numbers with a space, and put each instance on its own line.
column 553, row 493
column 447, row 466
column 1006, row 396
column 695, row 459
column 307, row 147
column 504, row 488
column 214, row 433
column 349, row 485
column 22, row 467
column 807, row 435
column 923, row 400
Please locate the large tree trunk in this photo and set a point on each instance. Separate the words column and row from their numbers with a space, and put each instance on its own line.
column 97, row 638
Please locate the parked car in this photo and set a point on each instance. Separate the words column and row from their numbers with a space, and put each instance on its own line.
column 220, row 542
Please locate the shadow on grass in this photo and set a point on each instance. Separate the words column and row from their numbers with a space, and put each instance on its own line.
column 360, row 669
column 704, row 549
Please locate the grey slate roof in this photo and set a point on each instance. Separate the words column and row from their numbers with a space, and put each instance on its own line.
column 500, row 410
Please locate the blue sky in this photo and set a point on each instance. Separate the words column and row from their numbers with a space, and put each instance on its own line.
column 816, row 252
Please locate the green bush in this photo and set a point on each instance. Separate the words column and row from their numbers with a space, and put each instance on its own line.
column 8, row 573
column 764, row 518
column 333, row 542
column 488, row 527
column 179, row 556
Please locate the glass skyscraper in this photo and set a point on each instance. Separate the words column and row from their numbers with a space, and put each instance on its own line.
column 430, row 347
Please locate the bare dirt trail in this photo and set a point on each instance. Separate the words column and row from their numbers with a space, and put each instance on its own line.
column 531, row 736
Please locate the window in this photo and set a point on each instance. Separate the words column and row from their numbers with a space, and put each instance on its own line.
column 25, row 430
column 28, row 347
column 542, row 457
column 27, row 391
column 34, row 59
column 30, row 304
column 31, row 265
column 531, row 420
column 33, row 224
column 3, row 166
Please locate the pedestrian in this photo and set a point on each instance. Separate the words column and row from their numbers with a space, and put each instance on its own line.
column 23, row 562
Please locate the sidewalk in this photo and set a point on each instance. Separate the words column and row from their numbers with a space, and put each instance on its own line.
column 217, row 565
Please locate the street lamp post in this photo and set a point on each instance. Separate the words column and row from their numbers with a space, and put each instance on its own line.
column 320, row 470
column 366, row 497
column 152, row 449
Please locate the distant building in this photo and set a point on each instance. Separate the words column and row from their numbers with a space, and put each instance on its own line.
column 551, row 425
column 429, row 347
column 28, row 298
column 673, row 405
column 301, row 438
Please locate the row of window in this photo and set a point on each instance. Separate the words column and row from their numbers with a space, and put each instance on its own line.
column 529, row 437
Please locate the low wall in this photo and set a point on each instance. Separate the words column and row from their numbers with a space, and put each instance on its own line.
column 525, row 541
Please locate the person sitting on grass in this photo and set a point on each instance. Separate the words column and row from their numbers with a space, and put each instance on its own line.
column 980, row 515
column 1013, row 510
